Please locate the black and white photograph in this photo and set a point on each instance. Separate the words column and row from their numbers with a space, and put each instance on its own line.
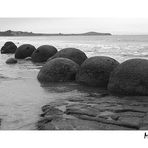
column 74, row 72
column 73, row 77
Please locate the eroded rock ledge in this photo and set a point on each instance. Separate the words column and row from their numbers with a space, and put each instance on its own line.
column 95, row 112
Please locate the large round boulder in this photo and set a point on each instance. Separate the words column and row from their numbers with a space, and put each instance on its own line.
column 43, row 53
column 9, row 47
column 130, row 78
column 73, row 54
column 58, row 70
column 11, row 61
column 95, row 71
column 24, row 51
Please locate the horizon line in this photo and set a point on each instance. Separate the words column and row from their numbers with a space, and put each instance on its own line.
column 74, row 33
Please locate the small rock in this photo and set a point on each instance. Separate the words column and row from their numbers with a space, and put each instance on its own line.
column 28, row 59
column 11, row 61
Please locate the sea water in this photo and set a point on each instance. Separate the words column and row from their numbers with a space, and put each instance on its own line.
column 22, row 96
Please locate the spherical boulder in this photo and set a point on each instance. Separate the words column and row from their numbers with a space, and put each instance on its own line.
column 43, row 53
column 9, row 47
column 24, row 51
column 73, row 54
column 95, row 71
column 58, row 70
column 11, row 61
column 130, row 78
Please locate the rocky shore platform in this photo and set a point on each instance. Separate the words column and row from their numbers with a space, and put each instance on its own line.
column 95, row 111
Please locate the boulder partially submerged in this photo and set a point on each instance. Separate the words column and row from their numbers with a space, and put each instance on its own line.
column 130, row 78
column 95, row 71
column 73, row 54
column 9, row 47
column 11, row 61
column 24, row 51
column 43, row 53
column 58, row 70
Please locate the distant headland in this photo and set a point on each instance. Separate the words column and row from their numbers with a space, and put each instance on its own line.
column 21, row 33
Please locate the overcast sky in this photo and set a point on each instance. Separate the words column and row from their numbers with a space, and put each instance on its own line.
column 76, row 25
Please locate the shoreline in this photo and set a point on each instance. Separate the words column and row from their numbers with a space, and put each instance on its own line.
column 76, row 108
column 95, row 111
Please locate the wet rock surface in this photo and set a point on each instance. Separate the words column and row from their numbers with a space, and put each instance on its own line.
column 99, row 111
